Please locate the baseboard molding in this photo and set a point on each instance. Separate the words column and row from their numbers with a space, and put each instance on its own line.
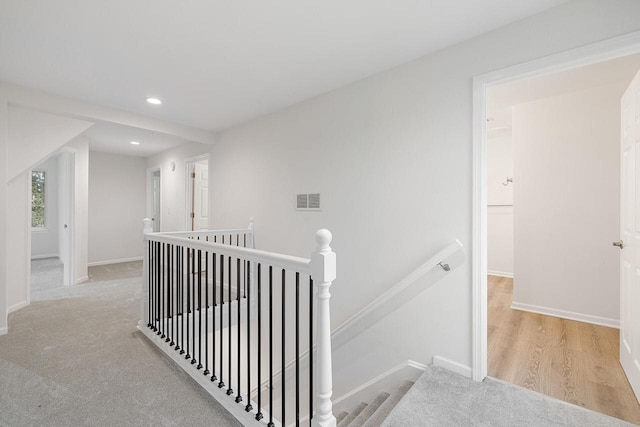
column 82, row 279
column 386, row 381
column 4, row 331
column 17, row 306
column 45, row 256
column 219, row 394
column 569, row 315
column 500, row 274
column 114, row 261
column 456, row 367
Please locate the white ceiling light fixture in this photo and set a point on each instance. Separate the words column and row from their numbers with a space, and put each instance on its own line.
column 134, row 143
column 154, row 101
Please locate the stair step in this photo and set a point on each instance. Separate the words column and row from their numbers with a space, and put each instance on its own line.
column 387, row 406
column 371, row 408
column 352, row 415
column 341, row 416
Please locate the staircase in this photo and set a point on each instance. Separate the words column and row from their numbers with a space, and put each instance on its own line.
column 372, row 414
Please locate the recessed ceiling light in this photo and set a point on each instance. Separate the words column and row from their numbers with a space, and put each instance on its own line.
column 134, row 143
column 154, row 101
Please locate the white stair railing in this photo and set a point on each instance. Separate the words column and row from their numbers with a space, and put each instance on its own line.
column 226, row 341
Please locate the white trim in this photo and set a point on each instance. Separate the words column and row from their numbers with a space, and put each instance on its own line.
column 597, row 52
column 3, row 331
column 114, row 261
column 82, row 279
column 500, row 274
column 570, row 315
column 387, row 381
column 18, row 306
column 452, row 366
column 44, row 256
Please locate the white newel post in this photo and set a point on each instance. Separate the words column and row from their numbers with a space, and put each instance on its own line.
column 146, row 229
column 323, row 272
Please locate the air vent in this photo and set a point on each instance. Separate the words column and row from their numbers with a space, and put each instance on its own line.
column 308, row 202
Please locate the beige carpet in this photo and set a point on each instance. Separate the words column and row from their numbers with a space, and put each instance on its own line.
column 76, row 359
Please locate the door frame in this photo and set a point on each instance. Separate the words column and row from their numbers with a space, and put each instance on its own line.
column 574, row 58
column 150, row 172
column 188, row 163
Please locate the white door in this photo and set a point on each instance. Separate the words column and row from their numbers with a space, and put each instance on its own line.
column 630, row 234
column 156, row 201
column 200, row 213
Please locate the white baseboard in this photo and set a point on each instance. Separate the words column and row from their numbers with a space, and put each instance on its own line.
column 45, row 256
column 500, row 274
column 3, row 331
column 17, row 306
column 570, row 315
column 456, row 367
column 386, row 381
column 82, row 279
column 114, row 261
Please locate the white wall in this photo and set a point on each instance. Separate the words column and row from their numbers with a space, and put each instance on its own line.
column 44, row 242
column 4, row 142
column 117, row 192
column 567, row 204
column 391, row 156
column 19, row 256
column 173, row 200
column 80, row 148
column 500, row 204
column 34, row 135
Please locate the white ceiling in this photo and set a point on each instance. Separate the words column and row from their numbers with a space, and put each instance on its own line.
column 502, row 97
column 217, row 63
column 116, row 139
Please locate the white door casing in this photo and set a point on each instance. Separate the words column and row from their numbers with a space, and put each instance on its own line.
column 630, row 234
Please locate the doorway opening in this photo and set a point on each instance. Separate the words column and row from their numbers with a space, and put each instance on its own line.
column 154, row 204
column 52, row 195
column 197, row 191
column 530, row 191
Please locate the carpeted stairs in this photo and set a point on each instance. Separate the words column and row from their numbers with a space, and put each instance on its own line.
column 372, row 414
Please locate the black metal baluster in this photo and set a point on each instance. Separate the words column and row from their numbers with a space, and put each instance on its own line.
column 188, row 310
column 282, row 375
column 229, row 389
column 179, row 310
column 213, row 319
column 259, row 415
column 152, row 282
column 248, row 299
column 181, row 298
column 221, row 383
column 162, row 295
column 310, row 349
column 149, row 296
column 297, row 348
column 239, row 394
column 167, row 250
column 199, row 309
column 206, row 313
column 172, row 296
column 270, row 424
column 193, row 304
column 237, row 240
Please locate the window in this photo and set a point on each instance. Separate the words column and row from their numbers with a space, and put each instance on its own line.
column 37, row 199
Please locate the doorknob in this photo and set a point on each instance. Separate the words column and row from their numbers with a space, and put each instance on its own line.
column 619, row 244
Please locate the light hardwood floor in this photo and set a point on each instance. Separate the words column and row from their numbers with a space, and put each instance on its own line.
column 568, row 360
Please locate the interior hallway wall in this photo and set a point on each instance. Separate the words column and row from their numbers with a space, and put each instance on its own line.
column 173, row 201
column 117, row 186
column 4, row 142
column 391, row 156
column 567, row 204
